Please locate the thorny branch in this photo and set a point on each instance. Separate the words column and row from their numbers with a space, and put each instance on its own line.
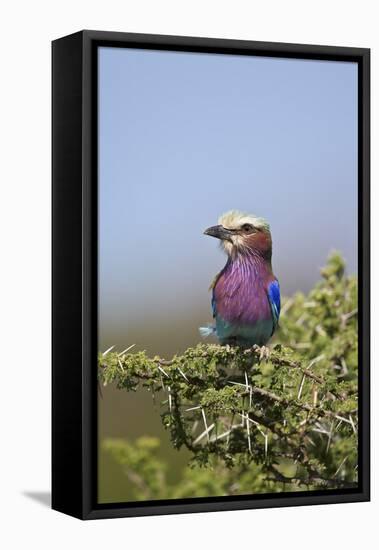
column 293, row 416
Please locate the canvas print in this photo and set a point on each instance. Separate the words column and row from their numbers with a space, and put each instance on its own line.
column 227, row 275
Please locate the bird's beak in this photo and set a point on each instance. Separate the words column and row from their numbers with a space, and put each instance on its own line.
column 220, row 232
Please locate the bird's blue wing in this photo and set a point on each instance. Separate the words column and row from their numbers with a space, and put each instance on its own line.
column 213, row 303
column 273, row 293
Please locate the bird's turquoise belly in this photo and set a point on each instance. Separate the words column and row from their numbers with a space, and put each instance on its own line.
column 243, row 334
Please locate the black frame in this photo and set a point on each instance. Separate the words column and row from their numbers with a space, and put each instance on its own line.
column 74, row 333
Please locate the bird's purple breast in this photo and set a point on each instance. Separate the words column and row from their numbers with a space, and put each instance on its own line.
column 240, row 292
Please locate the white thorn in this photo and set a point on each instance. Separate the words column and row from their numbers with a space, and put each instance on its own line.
column 224, row 434
column 107, row 351
column 301, row 386
column 169, row 398
column 205, row 433
column 162, row 370
column 205, row 423
column 352, row 424
column 315, row 360
column 182, row 373
column 342, row 419
column 125, row 350
column 340, row 466
column 248, row 434
column 193, row 408
column 330, row 437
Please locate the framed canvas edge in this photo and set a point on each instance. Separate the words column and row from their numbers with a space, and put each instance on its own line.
column 86, row 506
column 67, row 365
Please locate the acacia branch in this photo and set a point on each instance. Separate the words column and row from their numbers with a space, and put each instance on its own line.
column 216, row 382
column 297, row 410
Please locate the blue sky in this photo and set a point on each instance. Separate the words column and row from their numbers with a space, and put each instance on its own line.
column 183, row 137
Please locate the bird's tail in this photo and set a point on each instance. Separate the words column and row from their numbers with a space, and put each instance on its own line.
column 209, row 330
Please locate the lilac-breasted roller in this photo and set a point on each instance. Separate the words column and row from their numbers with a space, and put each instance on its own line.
column 245, row 294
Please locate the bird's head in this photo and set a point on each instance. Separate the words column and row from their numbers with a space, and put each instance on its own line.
column 242, row 233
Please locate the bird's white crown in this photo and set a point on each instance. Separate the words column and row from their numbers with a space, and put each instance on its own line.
column 234, row 219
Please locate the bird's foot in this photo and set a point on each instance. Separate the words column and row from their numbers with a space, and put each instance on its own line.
column 264, row 352
column 231, row 343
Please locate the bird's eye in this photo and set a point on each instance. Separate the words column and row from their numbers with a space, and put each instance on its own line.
column 247, row 228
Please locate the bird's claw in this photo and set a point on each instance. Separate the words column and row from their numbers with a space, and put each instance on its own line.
column 264, row 352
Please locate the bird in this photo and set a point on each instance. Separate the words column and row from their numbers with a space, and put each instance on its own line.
column 245, row 293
